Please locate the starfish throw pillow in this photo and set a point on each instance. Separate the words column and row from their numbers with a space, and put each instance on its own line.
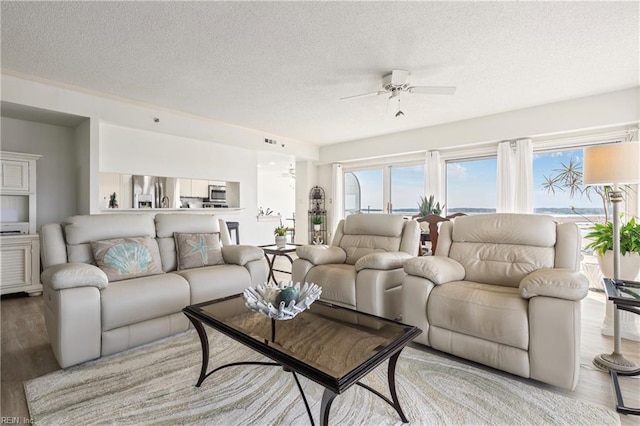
column 196, row 250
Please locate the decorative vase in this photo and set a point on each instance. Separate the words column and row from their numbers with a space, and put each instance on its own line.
column 316, row 227
column 281, row 241
column 629, row 270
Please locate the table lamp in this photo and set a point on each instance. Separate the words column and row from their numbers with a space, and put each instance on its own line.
column 613, row 164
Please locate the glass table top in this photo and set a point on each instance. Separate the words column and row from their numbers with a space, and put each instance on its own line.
column 623, row 292
column 332, row 340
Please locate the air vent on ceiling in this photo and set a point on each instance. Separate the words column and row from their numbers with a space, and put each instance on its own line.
column 270, row 141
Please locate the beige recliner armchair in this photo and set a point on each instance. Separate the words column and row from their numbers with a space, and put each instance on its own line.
column 503, row 290
column 362, row 268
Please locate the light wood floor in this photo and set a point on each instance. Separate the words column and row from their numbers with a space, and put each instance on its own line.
column 26, row 354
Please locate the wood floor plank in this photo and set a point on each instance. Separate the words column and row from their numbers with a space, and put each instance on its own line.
column 26, row 354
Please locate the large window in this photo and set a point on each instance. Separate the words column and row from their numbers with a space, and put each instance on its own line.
column 407, row 186
column 389, row 189
column 364, row 191
column 471, row 186
column 558, row 189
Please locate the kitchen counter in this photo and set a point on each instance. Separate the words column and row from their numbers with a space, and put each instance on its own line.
column 185, row 210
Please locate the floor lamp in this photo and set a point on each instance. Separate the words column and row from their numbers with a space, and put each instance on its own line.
column 613, row 164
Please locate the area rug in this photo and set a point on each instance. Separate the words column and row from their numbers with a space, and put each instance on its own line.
column 154, row 384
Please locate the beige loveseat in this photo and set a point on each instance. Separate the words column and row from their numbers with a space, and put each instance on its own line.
column 362, row 268
column 89, row 314
column 503, row 290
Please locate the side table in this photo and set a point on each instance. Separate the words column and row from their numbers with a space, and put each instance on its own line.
column 274, row 251
column 625, row 295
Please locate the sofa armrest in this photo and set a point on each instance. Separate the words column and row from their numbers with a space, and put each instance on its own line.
column 241, row 255
column 321, row 255
column 71, row 275
column 384, row 261
column 437, row 269
column 558, row 282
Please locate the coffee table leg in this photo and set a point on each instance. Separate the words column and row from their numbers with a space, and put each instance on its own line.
column 204, row 341
column 394, row 402
column 391, row 374
column 327, row 398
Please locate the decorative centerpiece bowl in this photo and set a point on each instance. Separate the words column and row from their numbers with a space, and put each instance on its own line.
column 281, row 301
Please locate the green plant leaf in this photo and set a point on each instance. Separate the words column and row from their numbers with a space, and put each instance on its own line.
column 428, row 206
column 601, row 235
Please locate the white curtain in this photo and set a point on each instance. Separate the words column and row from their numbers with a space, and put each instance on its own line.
column 505, row 177
column 337, row 199
column 433, row 176
column 515, row 176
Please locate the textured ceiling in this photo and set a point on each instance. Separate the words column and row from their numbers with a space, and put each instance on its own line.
column 281, row 67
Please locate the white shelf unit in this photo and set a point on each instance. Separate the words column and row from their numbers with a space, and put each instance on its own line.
column 19, row 242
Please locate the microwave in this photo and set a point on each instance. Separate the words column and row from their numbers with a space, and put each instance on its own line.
column 217, row 193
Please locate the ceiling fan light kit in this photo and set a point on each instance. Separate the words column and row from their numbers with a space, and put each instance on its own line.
column 396, row 82
column 397, row 79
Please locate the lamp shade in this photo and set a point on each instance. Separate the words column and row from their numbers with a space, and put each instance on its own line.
column 615, row 163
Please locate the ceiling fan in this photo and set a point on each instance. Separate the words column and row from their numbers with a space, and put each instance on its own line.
column 397, row 81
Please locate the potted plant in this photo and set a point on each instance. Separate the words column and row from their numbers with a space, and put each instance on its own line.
column 317, row 222
column 601, row 237
column 428, row 206
column 281, row 236
column 113, row 203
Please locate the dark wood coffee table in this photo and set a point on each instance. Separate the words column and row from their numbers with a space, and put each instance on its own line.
column 333, row 346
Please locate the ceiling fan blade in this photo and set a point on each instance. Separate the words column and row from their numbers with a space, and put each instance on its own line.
column 433, row 90
column 364, row 95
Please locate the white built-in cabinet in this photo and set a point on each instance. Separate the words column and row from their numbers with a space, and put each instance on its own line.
column 19, row 243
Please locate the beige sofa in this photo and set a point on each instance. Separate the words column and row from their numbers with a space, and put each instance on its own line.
column 89, row 314
column 362, row 268
column 502, row 290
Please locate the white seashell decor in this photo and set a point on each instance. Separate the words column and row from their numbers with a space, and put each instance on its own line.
column 262, row 299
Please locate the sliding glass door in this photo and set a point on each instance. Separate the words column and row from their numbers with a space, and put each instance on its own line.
column 407, row 186
column 387, row 189
column 364, row 191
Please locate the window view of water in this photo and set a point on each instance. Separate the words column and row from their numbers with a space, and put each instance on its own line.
column 471, row 188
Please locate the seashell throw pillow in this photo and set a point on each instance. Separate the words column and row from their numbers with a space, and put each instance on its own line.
column 197, row 250
column 123, row 258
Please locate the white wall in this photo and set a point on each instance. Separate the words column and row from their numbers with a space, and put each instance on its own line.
column 594, row 112
column 84, row 172
column 123, row 137
column 135, row 151
column 58, row 97
column 306, row 178
column 56, row 170
column 579, row 116
column 277, row 192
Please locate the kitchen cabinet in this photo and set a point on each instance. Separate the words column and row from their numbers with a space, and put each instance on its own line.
column 196, row 188
column 200, row 188
column 185, row 187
